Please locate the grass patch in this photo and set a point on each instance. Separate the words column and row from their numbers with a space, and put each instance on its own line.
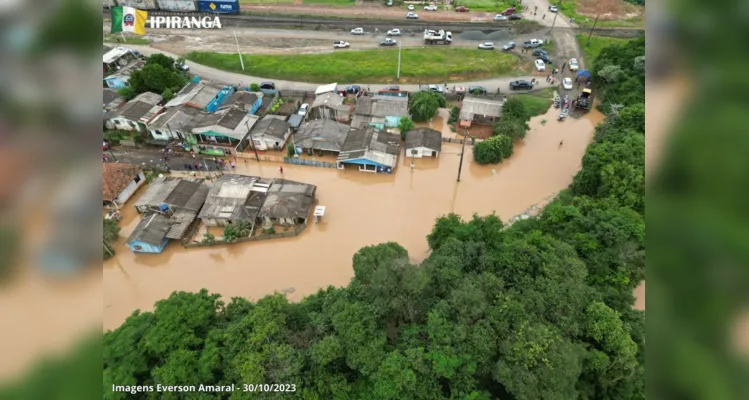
column 592, row 49
column 489, row 5
column 569, row 9
column 371, row 66
column 128, row 40
column 538, row 102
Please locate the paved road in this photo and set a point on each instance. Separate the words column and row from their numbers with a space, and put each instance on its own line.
column 217, row 75
column 152, row 158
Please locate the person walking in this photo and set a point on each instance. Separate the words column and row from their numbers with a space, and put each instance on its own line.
column 544, row 16
column 561, row 142
column 281, row 169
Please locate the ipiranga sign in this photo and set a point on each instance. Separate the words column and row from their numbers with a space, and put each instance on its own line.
column 175, row 22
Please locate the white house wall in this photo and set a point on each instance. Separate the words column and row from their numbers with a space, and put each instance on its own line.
column 420, row 152
column 124, row 124
column 130, row 189
column 166, row 135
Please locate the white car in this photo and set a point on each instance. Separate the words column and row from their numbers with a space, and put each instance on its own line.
column 553, row 9
column 486, row 46
column 430, row 8
column 303, row 109
column 540, row 65
column 357, row 31
column 394, row 32
column 410, row 7
column 573, row 64
column 341, row 44
column 500, row 17
column 412, row 15
column 567, row 83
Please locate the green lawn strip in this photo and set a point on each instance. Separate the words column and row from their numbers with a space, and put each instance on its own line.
column 371, row 66
column 128, row 40
column 592, row 49
column 569, row 9
column 537, row 102
column 489, row 5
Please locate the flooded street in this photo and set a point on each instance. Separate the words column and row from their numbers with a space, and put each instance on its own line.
column 362, row 209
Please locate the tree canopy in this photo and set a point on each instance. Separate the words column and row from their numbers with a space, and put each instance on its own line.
column 423, row 105
column 514, row 120
column 158, row 75
column 493, row 149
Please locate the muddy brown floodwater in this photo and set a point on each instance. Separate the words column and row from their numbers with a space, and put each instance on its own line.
column 362, row 209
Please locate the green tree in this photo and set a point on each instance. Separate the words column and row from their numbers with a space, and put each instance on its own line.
column 254, row 87
column 155, row 78
column 111, row 235
column 127, row 92
column 512, row 128
column 164, row 61
column 423, row 105
column 405, row 125
column 167, row 94
column 513, row 108
column 493, row 149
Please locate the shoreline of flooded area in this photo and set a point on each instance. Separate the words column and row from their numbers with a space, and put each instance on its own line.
column 362, row 209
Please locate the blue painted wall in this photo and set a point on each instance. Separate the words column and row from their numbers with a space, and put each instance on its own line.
column 115, row 82
column 147, row 247
column 364, row 161
column 222, row 95
column 256, row 106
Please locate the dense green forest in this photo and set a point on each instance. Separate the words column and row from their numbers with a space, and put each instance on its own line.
column 538, row 310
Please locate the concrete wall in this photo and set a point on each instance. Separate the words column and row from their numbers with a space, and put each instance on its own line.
column 131, row 188
column 420, row 152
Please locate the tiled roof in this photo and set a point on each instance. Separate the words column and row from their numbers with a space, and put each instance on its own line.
column 116, row 177
column 424, row 137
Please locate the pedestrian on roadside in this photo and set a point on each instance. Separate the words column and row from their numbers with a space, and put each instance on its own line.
column 578, row 84
column 561, row 142
column 195, row 164
column 281, row 169
column 233, row 165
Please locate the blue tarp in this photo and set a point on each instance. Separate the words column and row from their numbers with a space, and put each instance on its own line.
column 584, row 74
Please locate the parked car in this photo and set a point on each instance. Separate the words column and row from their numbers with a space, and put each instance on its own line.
column 538, row 52
column 573, row 64
column 181, row 66
column 461, row 9
column 392, row 88
column 540, row 65
column 357, row 31
column 509, row 46
column 553, row 9
column 520, row 85
column 567, row 83
column 514, row 17
column 341, row 44
column 268, row 85
column 436, row 88
column 529, row 44
column 303, row 109
column 477, row 90
column 500, row 17
column 105, row 146
column 486, row 46
column 460, row 90
column 388, row 42
column 394, row 32
column 412, row 15
column 430, row 8
column 353, row 89
column 410, row 7
column 508, row 11
column 545, row 58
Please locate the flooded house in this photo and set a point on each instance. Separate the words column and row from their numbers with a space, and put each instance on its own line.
column 119, row 182
column 322, row 136
column 112, row 100
column 370, row 150
column 233, row 198
column 150, row 235
column 423, row 142
column 136, row 114
column 287, row 203
column 271, row 132
column 477, row 115
column 379, row 111
column 329, row 106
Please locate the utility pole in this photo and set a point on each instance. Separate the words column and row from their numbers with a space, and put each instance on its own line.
column 552, row 26
column 462, row 151
column 239, row 53
column 398, row 75
column 591, row 29
column 251, row 142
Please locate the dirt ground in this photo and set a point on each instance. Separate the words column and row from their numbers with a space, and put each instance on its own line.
column 609, row 9
column 368, row 10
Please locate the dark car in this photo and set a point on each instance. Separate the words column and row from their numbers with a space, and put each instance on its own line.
column 392, row 88
column 461, row 9
column 514, row 17
column 545, row 58
column 268, row 86
column 508, row 11
column 539, row 52
column 521, row 85
column 477, row 90
column 353, row 89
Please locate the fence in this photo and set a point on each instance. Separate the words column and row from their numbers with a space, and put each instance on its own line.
column 459, row 141
column 296, row 93
column 302, row 161
column 265, row 236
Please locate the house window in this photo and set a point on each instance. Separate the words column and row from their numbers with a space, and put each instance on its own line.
column 158, row 133
column 133, row 124
column 137, row 178
column 138, row 247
